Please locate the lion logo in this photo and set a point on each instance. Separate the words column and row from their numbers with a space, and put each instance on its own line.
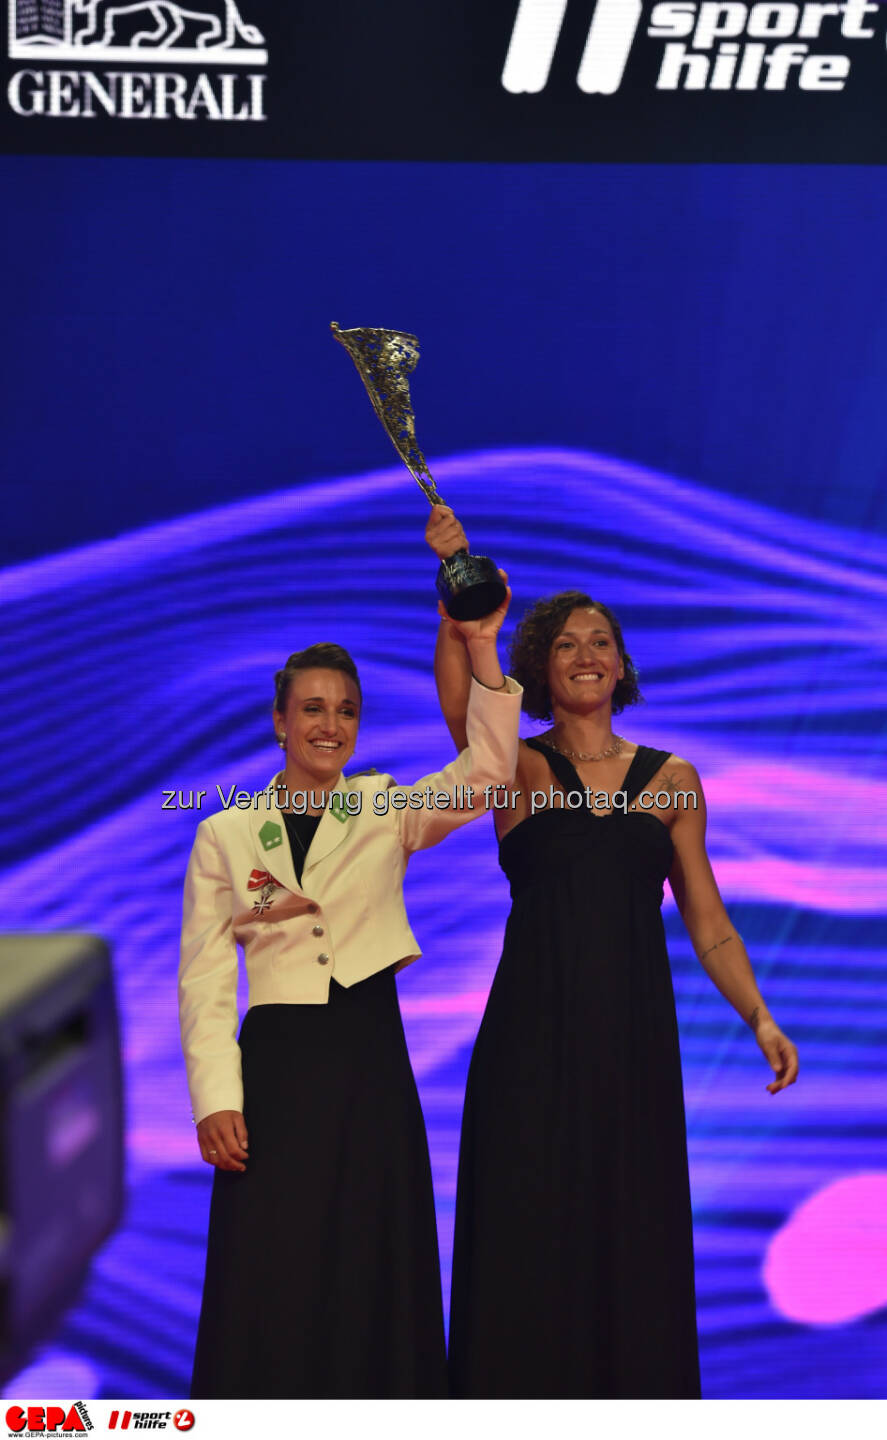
column 215, row 24
column 118, row 29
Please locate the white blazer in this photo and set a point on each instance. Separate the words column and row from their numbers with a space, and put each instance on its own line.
column 347, row 918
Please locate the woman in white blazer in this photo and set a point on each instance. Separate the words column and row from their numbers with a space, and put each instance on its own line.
column 322, row 1274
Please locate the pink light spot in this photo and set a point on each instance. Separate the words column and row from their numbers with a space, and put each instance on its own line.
column 828, row 1263
column 468, row 1002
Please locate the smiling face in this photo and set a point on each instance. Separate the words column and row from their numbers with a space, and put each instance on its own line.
column 320, row 721
column 584, row 664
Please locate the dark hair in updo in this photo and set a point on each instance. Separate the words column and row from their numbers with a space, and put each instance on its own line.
column 531, row 649
column 316, row 657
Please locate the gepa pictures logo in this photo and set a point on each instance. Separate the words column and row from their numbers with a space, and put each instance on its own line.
column 130, row 30
column 706, row 44
column 43, row 1420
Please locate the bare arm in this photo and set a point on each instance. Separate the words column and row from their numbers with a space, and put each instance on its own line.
column 718, row 946
column 452, row 661
column 452, row 675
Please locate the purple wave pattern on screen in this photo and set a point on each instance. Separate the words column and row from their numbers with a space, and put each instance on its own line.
column 143, row 664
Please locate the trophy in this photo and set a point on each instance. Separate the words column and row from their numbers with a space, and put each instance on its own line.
column 470, row 586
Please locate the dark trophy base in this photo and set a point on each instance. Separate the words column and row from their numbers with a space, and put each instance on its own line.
column 470, row 586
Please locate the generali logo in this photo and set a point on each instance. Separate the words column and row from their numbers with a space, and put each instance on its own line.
column 706, row 44
column 79, row 33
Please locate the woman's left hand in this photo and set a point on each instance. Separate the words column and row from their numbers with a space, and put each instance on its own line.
column 781, row 1053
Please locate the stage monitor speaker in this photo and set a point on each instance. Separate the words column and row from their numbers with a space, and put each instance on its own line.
column 61, row 1127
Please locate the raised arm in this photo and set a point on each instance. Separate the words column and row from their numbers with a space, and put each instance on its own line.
column 485, row 730
column 433, row 806
column 452, row 675
column 454, row 662
column 718, row 946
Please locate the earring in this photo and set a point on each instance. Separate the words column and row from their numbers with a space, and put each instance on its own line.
column 281, row 740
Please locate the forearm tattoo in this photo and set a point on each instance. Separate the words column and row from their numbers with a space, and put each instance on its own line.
column 754, row 1018
column 716, row 946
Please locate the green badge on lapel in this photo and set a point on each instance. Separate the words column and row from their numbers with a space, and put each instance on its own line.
column 337, row 807
column 270, row 835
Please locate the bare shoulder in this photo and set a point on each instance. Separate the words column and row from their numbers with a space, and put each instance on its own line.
column 514, row 808
column 527, row 761
column 527, row 754
column 678, row 774
column 679, row 780
column 524, row 752
column 530, row 765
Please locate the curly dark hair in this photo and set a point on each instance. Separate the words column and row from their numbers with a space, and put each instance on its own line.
column 316, row 657
column 531, row 647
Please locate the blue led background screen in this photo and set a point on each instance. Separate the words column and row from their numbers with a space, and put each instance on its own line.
column 664, row 385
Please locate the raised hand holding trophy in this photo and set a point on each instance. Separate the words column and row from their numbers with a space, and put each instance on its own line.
column 470, row 586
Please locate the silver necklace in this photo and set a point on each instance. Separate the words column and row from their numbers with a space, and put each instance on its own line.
column 614, row 749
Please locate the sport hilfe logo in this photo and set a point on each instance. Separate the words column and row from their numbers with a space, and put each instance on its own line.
column 136, row 30
column 708, row 44
column 140, row 1419
column 537, row 28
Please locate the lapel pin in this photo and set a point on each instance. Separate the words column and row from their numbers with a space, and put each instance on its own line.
column 270, row 835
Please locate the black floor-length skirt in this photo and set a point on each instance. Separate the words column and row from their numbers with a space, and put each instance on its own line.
column 573, row 1272
column 322, row 1272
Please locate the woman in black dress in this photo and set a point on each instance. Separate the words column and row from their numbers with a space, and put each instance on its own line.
column 573, row 1256
column 322, row 1274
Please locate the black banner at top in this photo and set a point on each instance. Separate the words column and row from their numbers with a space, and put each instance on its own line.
column 494, row 80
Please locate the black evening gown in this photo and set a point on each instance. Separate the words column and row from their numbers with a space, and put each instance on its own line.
column 573, row 1259
column 322, row 1272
